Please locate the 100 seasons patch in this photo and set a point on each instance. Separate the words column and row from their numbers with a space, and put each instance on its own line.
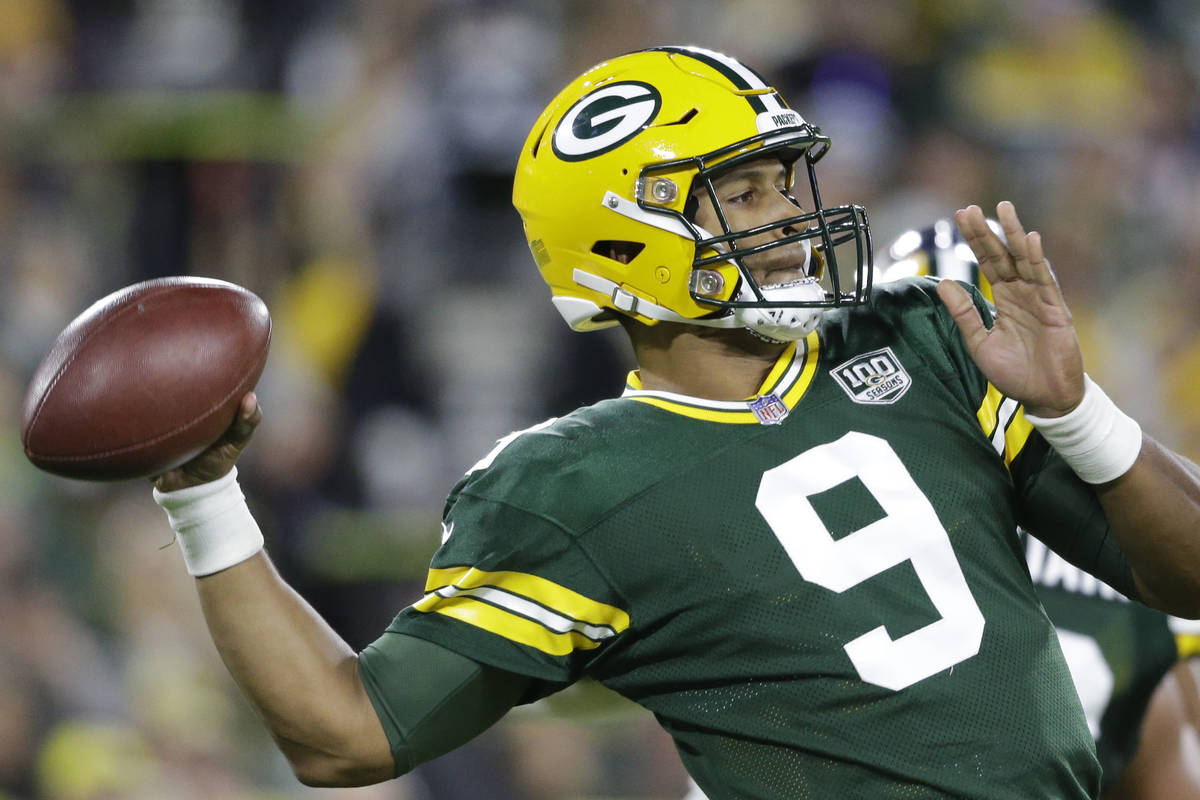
column 875, row 378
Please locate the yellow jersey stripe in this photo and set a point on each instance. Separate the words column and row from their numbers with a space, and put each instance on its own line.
column 546, row 593
column 700, row 412
column 1016, row 436
column 988, row 409
column 792, row 395
column 779, row 369
column 786, row 380
column 503, row 623
column 1188, row 644
column 1002, row 420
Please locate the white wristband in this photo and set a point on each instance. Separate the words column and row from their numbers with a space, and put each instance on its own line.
column 212, row 523
column 1096, row 439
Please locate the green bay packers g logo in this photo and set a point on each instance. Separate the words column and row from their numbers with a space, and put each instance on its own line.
column 604, row 119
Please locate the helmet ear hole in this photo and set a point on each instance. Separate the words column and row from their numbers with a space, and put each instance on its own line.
column 617, row 250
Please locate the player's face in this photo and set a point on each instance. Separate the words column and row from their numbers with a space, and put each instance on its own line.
column 753, row 194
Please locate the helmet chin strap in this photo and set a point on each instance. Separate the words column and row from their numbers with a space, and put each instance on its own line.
column 786, row 324
column 782, row 325
column 779, row 325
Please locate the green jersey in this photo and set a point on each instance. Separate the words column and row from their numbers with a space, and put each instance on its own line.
column 1118, row 651
column 819, row 592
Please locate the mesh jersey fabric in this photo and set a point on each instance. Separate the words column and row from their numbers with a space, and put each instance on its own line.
column 1118, row 651
column 720, row 573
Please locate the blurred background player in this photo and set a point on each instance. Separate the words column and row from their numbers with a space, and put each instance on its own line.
column 1134, row 667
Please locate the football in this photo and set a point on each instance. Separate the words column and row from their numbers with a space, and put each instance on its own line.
column 145, row 379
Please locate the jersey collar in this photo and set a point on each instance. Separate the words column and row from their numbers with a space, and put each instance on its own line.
column 785, row 384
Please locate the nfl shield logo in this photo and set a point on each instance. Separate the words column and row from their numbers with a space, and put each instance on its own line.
column 874, row 378
column 769, row 409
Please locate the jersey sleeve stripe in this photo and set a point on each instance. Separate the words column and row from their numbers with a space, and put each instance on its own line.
column 988, row 410
column 1002, row 420
column 545, row 593
column 526, row 608
column 1187, row 636
column 1004, row 415
column 1016, row 434
column 520, row 606
column 1188, row 645
column 502, row 622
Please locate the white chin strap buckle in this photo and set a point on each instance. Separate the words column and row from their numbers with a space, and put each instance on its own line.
column 785, row 324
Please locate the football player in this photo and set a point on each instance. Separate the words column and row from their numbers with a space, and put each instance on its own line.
column 792, row 537
column 1120, row 653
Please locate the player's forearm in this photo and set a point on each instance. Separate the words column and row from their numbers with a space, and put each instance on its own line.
column 1150, row 495
column 299, row 674
column 1154, row 510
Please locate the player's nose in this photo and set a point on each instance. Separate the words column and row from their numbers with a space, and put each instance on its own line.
column 782, row 208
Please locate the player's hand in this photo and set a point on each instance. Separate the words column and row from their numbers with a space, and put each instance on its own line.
column 219, row 458
column 1032, row 352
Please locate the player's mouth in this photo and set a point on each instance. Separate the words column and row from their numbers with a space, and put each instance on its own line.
column 780, row 275
column 786, row 264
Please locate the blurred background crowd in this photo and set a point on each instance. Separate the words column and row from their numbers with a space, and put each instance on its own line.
column 351, row 163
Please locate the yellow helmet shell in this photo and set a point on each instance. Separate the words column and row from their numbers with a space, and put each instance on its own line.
column 605, row 175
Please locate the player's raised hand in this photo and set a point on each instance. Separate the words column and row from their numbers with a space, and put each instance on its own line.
column 220, row 457
column 1032, row 352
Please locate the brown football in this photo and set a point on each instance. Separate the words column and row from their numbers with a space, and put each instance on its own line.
column 145, row 379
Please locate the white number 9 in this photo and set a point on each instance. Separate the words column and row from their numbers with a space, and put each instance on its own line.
column 909, row 531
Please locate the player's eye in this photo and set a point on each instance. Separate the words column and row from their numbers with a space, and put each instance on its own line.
column 741, row 197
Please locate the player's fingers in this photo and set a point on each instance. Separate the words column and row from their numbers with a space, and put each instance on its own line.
column 221, row 455
column 1038, row 263
column 1037, row 257
column 1029, row 258
column 965, row 315
column 1043, row 274
column 1018, row 244
column 990, row 251
column 249, row 404
column 249, row 415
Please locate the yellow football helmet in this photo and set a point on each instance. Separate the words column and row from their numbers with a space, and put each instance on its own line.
column 605, row 182
column 938, row 250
